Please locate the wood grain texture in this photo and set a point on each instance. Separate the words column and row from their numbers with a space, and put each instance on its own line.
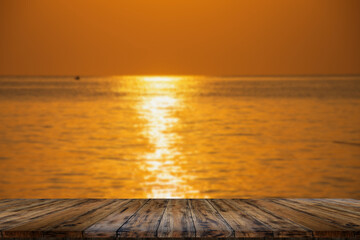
column 107, row 227
column 13, row 218
column 341, row 219
column 281, row 227
column 43, row 225
column 330, row 208
column 180, row 218
column 145, row 222
column 348, row 202
column 73, row 226
column 319, row 227
column 243, row 224
column 334, row 205
column 7, row 204
column 208, row 222
column 25, row 205
column 177, row 220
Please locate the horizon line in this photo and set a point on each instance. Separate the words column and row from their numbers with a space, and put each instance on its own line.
column 186, row 75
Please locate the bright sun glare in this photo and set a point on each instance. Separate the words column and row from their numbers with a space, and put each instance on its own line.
column 165, row 178
column 160, row 78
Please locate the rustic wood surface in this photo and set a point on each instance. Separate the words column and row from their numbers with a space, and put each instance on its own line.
column 179, row 218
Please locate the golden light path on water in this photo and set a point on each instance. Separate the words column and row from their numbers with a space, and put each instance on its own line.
column 166, row 178
column 179, row 137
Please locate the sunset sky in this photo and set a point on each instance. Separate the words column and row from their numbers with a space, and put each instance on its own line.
column 161, row 37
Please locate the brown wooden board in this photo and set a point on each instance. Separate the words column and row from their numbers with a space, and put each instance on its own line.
column 319, row 227
column 341, row 207
column 330, row 208
column 179, row 218
column 244, row 224
column 145, row 222
column 38, row 224
column 281, row 227
column 342, row 220
column 73, row 225
column 108, row 226
column 208, row 222
column 7, row 204
column 10, row 219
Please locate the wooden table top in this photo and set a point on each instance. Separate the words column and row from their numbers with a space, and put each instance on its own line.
column 182, row 218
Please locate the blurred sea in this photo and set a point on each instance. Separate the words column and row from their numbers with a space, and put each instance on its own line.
column 179, row 136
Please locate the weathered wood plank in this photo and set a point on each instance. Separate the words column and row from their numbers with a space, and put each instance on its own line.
column 5, row 202
column 330, row 207
column 177, row 221
column 215, row 218
column 340, row 206
column 67, row 223
column 244, row 225
column 73, row 227
column 319, row 227
column 25, row 205
column 340, row 219
column 348, row 202
column 31, row 227
column 145, row 222
column 11, row 203
column 107, row 227
column 281, row 227
column 208, row 222
column 14, row 218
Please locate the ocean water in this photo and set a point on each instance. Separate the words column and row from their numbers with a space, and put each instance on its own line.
column 181, row 137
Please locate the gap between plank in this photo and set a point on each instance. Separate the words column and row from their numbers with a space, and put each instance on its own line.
column 117, row 231
column 162, row 215
column 191, row 213
column 273, row 214
column 232, row 230
column 83, row 231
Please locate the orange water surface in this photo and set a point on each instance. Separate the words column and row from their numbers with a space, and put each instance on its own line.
column 179, row 137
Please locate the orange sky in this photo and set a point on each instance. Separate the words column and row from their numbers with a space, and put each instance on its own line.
column 210, row 37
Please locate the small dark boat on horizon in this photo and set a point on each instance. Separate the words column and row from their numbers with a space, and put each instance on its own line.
column 77, row 78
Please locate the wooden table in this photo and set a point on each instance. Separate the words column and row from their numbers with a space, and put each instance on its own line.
column 183, row 218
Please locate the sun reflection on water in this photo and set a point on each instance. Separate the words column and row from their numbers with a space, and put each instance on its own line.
column 165, row 178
